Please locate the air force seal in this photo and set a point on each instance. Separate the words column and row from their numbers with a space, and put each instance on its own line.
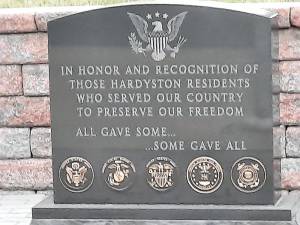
column 248, row 174
column 158, row 41
column 161, row 173
column 76, row 174
column 204, row 175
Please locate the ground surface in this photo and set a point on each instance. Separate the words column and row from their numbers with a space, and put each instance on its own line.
column 15, row 207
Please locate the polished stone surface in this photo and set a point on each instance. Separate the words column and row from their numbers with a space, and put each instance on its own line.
column 208, row 37
column 127, row 222
column 47, row 210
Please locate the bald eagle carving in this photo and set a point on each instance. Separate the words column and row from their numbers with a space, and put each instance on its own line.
column 158, row 40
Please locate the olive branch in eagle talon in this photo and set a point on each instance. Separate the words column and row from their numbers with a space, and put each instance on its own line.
column 136, row 45
column 158, row 41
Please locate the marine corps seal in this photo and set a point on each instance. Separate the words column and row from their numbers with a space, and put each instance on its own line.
column 119, row 173
column 204, row 175
column 161, row 173
column 76, row 174
column 248, row 174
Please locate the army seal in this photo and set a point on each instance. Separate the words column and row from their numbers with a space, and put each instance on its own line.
column 248, row 174
column 119, row 173
column 161, row 173
column 76, row 174
column 204, row 175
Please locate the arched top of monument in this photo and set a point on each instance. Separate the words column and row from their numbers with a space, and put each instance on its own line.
column 238, row 8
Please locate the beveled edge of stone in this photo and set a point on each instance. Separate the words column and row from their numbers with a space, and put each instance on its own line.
column 153, row 222
column 284, row 203
column 47, row 206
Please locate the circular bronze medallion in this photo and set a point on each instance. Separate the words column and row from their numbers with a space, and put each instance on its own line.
column 119, row 173
column 204, row 175
column 161, row 173
column 248, row 174
column 76, row 174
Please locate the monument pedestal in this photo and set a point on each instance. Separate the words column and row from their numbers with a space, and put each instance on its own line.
column 283, row 213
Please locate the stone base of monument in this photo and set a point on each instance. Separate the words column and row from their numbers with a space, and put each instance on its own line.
column 285, row 212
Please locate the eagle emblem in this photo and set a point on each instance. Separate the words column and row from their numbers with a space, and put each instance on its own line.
column 119, row 174
column 76, row 174
column 158, row 41
column 161, row 175
column 248, row 175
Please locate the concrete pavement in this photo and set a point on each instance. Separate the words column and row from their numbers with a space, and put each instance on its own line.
column 15, row 206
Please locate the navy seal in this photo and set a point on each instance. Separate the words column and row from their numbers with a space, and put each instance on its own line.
column 161, row 173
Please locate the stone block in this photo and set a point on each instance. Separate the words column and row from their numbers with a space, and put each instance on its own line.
column 283, row 16
column 293, row 141
column 49, row 213
column 17, row 22
column 290, row 173
column 10, row 80
column 275, row 78
column 24, row 48
column 41, row 142
column 289, row 76
column 14, row 143
column 295, row 16
column 36, row 80
column 43, row 16
column 24, row 111
column 30, row 174
column 289, row 108
column 277, row 173
column 279, row 142
column 289, row 44
column 276, row 109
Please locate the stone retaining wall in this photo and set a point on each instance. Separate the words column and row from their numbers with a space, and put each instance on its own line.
column 25, row 142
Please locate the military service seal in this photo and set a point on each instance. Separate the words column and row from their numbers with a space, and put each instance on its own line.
column 119, row 173
column 248, row 174
column 161, row 173
column 204, row 175
column 76, row 174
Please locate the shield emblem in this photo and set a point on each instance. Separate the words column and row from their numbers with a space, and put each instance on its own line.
column 158, row 42
column 161, row 173
column 161, row 178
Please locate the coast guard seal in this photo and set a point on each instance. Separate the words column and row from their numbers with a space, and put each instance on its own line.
column 248, row 174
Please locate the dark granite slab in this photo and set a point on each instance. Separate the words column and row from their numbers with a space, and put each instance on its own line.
column 155, row 222
column 185, row 133
column 48, row 210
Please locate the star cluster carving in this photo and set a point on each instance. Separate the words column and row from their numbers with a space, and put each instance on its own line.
column 157, row 15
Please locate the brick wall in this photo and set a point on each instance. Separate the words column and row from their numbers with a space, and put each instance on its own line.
column 25, row 142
